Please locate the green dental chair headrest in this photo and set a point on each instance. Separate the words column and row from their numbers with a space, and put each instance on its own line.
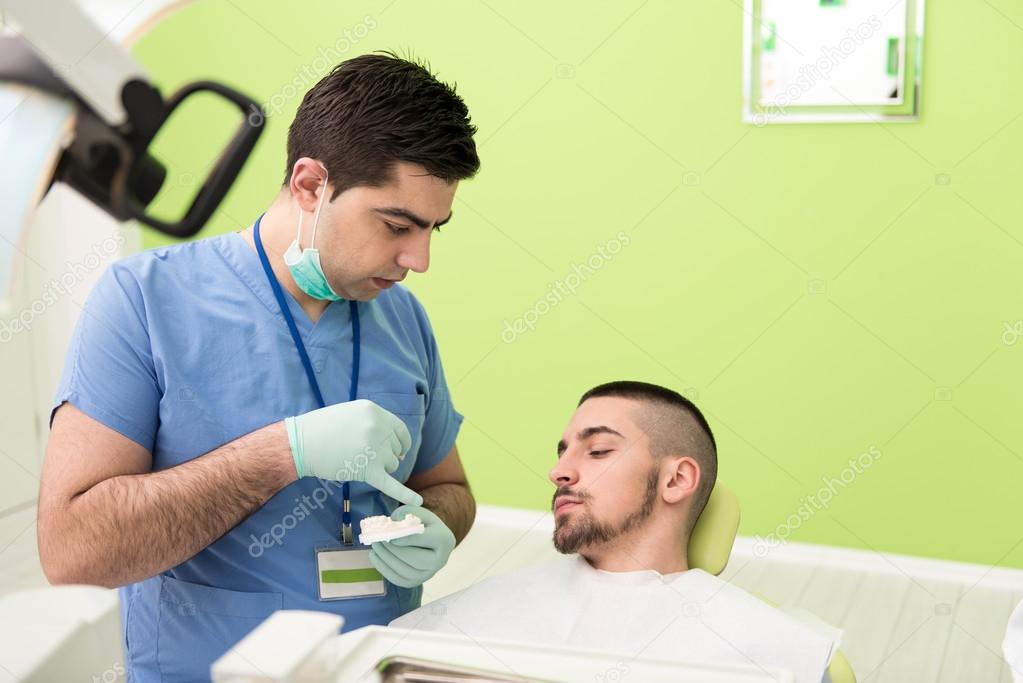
column 714, row 533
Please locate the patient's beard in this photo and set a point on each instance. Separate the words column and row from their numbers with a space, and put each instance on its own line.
column 571, row 535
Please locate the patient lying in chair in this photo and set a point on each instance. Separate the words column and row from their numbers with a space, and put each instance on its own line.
column 635, row 468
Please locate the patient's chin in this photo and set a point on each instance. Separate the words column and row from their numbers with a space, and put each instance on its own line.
column 573, row 535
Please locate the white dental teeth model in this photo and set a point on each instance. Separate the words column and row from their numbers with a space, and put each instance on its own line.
column 383, row 528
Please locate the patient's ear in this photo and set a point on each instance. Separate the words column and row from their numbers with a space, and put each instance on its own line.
column 685, row 477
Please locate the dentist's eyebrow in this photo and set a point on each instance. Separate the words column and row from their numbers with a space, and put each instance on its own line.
column 587, row 433
column 399, row 212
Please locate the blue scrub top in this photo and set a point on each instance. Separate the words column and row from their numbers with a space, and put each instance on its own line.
column 183, row 349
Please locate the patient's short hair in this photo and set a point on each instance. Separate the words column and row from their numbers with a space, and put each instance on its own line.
column 675, row 426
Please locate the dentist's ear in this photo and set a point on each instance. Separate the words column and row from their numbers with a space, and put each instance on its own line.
column 308, row 183
column 684, row 478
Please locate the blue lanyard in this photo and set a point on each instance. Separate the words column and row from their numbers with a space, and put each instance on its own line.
column 346, row 512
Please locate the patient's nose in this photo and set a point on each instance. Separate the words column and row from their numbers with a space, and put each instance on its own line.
column 562, row 475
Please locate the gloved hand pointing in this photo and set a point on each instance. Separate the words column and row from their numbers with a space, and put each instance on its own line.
column 353, row 441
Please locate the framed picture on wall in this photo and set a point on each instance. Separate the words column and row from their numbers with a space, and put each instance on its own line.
column 831, row 60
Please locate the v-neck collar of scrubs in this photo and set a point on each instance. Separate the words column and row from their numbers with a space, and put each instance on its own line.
column 334, row 322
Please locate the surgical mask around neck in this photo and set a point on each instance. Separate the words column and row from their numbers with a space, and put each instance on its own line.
column 304, row 264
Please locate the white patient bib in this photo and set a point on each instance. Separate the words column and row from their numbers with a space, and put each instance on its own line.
column 690, row 616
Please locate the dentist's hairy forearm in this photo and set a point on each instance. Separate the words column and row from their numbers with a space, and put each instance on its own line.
column 454, row 504
column 133, row 526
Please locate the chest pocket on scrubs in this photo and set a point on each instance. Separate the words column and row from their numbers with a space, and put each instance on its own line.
column 411, row 409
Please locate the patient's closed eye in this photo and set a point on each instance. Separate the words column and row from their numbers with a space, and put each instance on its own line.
column 600, row 453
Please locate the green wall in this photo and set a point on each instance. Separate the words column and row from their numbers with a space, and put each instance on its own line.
column 820, row 290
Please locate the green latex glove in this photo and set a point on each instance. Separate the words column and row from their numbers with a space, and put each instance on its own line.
column 410, row 560
column 353, row 441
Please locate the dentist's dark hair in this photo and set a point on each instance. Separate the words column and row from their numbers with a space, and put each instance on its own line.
column 675, row 426
column 377, row 109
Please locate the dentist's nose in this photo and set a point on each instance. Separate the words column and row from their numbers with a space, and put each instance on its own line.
column 416, row 257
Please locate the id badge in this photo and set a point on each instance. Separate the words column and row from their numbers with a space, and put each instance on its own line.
column 344, row 573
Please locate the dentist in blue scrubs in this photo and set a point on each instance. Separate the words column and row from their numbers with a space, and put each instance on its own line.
column 232, row 408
